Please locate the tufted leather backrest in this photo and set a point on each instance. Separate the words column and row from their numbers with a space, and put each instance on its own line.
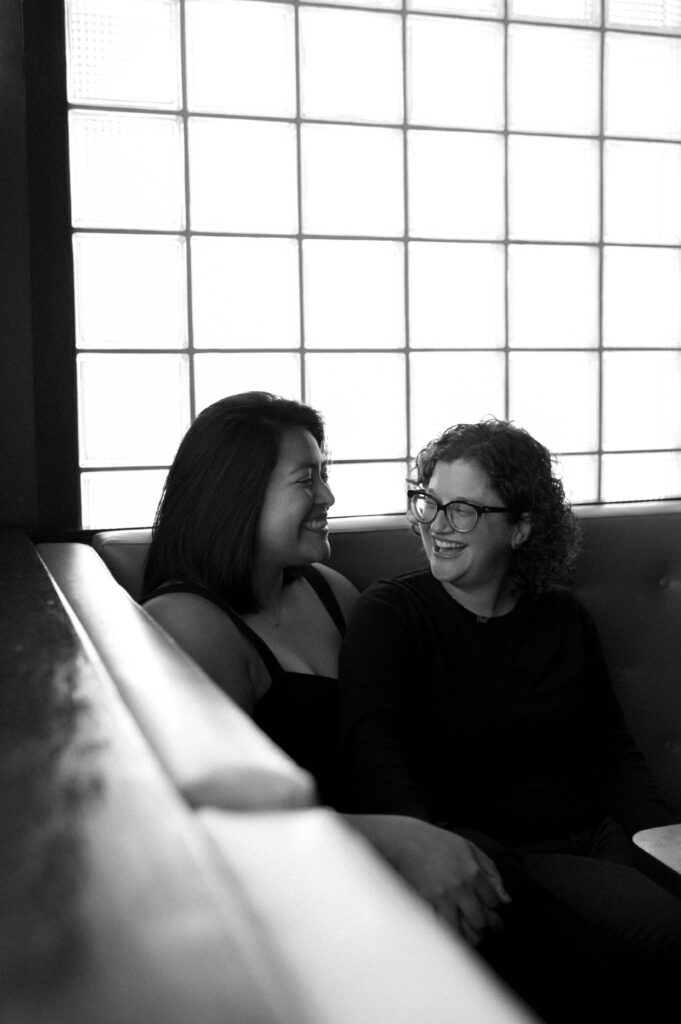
column 629, row 577
column 630, row 580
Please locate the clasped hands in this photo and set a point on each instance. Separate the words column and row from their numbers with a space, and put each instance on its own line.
column 458, row 880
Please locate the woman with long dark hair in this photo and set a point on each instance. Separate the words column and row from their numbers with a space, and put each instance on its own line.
column 235, row 570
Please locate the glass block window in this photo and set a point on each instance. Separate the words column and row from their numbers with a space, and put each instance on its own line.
column 408, row 213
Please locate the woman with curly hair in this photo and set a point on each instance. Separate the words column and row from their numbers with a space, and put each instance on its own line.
column 476, row 699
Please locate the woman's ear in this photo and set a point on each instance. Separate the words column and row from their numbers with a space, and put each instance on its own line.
column 521, row 530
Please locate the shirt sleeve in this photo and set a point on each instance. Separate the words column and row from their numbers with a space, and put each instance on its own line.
column 630, row 794
column 377, row 662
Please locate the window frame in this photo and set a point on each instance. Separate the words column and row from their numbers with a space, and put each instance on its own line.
column 51, row 268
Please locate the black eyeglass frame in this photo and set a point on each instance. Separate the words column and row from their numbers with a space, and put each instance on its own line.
column 439, row 507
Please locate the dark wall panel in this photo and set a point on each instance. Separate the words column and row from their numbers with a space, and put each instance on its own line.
column 18, row 471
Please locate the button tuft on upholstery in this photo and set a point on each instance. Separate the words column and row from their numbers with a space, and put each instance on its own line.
column 670, row 583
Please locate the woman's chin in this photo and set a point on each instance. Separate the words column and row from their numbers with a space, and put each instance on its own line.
column 317, row 545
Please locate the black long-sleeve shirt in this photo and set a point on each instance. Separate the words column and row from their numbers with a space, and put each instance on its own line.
column 509, row 726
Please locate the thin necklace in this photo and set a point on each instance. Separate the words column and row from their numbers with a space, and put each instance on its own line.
column 275, row 621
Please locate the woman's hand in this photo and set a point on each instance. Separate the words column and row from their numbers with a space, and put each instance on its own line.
column 454, row 876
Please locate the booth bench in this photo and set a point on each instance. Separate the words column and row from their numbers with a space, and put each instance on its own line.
column 629, row 577
column 214, row 887
column 219, row 889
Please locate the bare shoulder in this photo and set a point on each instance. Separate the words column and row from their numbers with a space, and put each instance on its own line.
column 346, row 592
column 210, row 637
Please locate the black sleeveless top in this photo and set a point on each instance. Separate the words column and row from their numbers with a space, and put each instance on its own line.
column 299, row 711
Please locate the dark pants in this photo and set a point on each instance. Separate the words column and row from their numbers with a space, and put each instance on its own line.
column 588, row 936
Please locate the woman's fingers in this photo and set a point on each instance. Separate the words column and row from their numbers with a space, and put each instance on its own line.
column 477, row 913
column 488, row 893
column 460, row 903
column 492, row 874
column 472, row 935
column 457, row 879
column 452, row 914
column 475, row 891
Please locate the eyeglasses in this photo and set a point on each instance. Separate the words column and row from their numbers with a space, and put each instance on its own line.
column 463, row 516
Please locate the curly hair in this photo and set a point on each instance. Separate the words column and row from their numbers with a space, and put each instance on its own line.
column 520, row 470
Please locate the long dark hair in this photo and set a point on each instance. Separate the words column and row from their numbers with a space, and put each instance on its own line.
column 520, row 470
column 205, row 527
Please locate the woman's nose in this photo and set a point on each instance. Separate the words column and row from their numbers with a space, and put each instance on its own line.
column 324, row 495
column 441, row 524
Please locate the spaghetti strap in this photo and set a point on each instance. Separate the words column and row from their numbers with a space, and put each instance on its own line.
column 322, row 589
column 269, row 660
column 313, row 576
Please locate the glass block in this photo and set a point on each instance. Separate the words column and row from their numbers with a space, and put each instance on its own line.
column 351, row 65
column 453, row 387
column 579, row 475
column 553, row 296
column 641, row 297
column 554, row 395
column 120, row 498
column 658, row 15
column 133, row 409
column 241, row 58
column 480, row 8
column 456, row 185
column 650, row 172
column 243, row 176
column 554, row 79
column 456, row 295
column 124, row 53
column 641, row 407
column 641, row 477
column 217, row 375
column 368, row 489
column 245, row 292
column 455, row 73
column 131, row 291
column 362, row 398
column 642, row 86
column 577, row 12
column 553, row 189
column 386, row 5
column 352, row 180
column 127, row 170
column 353, row 294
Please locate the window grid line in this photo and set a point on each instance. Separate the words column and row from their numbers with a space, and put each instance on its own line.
column 414, row 126
column 601, row 282
column 406, row 242
column 507, row 375
column 299, row 198
column 187, row 226
column 451, row 240
column 242, row 350
column 400, row 461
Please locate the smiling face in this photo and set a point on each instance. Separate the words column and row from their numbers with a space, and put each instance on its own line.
column 293, row 529
column 474, row 563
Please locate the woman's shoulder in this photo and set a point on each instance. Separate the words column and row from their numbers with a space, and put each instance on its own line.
column 401, row 592
column 174, row 599
column 560, row 596
column 417, row 581
column 345, row 592
column 560, row 601
column 206, row 632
